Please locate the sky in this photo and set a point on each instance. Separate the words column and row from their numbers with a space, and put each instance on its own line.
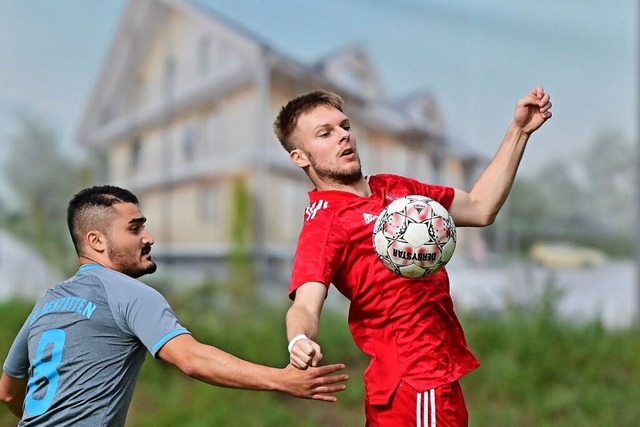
column 476, row 57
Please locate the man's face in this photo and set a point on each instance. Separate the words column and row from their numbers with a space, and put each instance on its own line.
column 325, row 145
column 129, row 242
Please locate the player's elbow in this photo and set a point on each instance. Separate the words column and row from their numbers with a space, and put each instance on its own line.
column 487, row 219
column 184, row 352
column 189, row 363
column 189, row 369
column 478, row 220
column 13, row 401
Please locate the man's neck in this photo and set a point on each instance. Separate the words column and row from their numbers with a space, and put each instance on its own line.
column 360, row 188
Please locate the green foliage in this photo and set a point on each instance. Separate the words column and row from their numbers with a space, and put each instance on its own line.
column 43, row 178
column 242, row 288
column 14, row 313
column 536, row 371
column 584, row 199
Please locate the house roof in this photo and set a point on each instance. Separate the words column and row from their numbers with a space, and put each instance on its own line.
column 347, row 70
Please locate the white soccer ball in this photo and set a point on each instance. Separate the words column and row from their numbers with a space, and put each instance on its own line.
column 414, row 236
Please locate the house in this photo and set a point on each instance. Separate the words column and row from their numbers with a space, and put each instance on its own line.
column 182, row 112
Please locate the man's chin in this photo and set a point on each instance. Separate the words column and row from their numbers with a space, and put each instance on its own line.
column 349, row 179
column 150, row 268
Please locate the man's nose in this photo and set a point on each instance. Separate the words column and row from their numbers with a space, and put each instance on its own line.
column 148, row 238
column 344, row 135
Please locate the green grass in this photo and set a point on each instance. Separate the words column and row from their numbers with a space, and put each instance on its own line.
column 536, row 371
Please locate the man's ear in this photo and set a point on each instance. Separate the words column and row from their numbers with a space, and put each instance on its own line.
column 299, row 158
column 96, row 241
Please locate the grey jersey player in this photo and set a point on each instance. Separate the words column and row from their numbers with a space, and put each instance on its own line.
column 76, row 359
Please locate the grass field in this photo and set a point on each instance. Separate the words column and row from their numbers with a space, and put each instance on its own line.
column 536, row 371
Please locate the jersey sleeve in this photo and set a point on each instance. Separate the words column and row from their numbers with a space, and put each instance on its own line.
column 16, row 364
column 145, row 313
column 322, row 240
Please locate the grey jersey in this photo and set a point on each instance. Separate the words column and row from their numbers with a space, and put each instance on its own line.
column 83, row 345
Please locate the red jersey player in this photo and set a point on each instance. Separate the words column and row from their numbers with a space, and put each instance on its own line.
column 408, row 326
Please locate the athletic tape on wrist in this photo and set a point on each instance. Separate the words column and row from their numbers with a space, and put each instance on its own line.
column 294, row 340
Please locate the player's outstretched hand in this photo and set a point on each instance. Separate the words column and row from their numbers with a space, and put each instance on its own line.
column 533, row 110
column 315, row 383
column 305, row 353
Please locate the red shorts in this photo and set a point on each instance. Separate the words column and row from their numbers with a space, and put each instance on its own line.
column 440, row 407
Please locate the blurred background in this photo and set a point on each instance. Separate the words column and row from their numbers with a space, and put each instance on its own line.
column 175, row 99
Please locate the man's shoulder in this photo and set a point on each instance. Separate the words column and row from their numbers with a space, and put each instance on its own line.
column 116, row 284
column 387, row 178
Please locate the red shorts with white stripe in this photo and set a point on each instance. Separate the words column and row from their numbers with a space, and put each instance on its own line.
column 440, row 407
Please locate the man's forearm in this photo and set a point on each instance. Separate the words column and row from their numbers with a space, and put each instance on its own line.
column 300, row 321
column 494, row 184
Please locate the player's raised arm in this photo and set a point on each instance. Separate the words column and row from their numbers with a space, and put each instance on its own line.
column 481, row 205
column 214, row 366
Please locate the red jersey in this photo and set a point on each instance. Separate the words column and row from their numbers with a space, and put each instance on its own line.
column 407, row 326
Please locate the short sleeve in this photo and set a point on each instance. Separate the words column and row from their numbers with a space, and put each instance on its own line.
column 145, row 313
column 17, row 362
column 440, row 193
column 322, row 240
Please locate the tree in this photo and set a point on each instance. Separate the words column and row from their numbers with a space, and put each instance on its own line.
column 43, row 179
column 584, row 199
column 610, row 163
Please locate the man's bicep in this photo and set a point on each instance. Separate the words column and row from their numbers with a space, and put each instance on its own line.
column 462, row 209
column 11, row 385
column 178, row 350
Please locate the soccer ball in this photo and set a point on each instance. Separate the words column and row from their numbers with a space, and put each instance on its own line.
column 414, row 236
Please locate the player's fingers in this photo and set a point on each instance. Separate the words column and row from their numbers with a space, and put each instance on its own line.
column 545, row 107
column 329, row 369
column 330, row 380
column 299, row 362
column 544, row 99
column 323, row 378
column 326, row 392
column 308, row 351
column 333, row 388
column 324, row 397
column 316, row 358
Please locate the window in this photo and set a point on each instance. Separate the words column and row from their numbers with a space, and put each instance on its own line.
column 212, row 204
column 188, row 144
column 136, row 149
column 204, row 55
column 169, row 76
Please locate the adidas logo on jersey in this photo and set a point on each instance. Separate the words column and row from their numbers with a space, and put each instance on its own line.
column 369, row 218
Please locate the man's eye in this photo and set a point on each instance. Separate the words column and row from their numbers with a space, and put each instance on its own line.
column 346, row 127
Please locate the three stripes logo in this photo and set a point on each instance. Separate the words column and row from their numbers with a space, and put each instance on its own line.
column 311, row 211
column 369, row 218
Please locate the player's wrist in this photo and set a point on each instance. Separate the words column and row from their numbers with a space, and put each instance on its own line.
column 294, row 340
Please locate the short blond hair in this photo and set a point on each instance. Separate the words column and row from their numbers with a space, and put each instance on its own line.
column 285, row 124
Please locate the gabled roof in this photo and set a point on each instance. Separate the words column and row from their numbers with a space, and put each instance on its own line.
column 139, row 26
column 348, row 71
